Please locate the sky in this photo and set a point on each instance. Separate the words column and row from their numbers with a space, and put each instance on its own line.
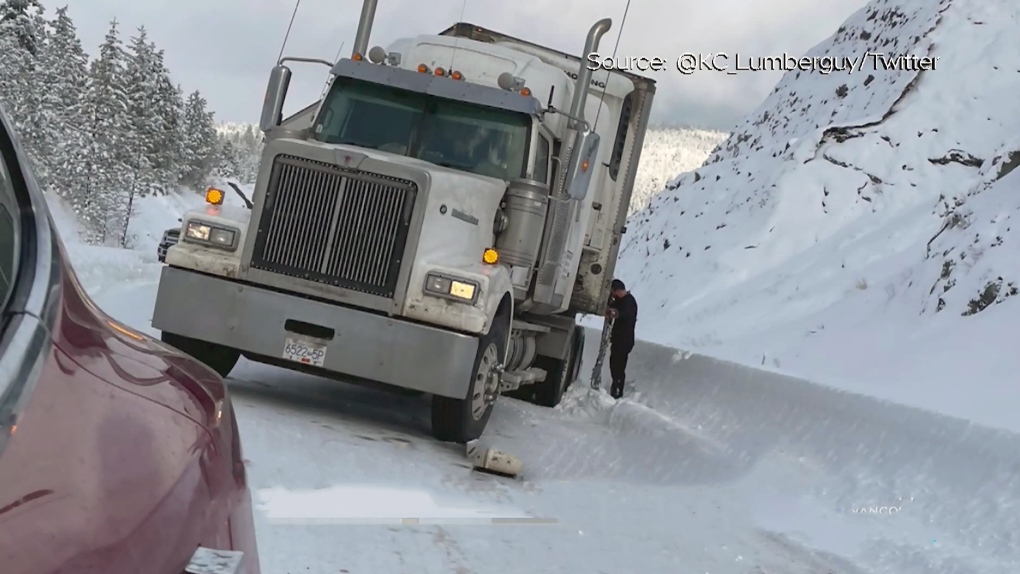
column 225, row 48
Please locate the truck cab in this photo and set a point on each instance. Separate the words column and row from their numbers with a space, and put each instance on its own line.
column 434, row 223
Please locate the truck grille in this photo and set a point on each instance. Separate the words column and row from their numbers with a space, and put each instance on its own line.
column 334, row 226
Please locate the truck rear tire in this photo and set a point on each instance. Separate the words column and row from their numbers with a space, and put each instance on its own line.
column 217, row 357
column 549, row 392
column 560, row 374
column 464, row 420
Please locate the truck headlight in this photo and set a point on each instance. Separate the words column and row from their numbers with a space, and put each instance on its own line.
column 453, row 288
column 211, row 235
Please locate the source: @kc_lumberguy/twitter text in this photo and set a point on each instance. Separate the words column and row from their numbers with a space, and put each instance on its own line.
column 690, row 63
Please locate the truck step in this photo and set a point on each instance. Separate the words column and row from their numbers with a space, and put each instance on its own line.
column 512, row 380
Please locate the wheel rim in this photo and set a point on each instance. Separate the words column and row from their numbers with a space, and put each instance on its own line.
column 484, row 382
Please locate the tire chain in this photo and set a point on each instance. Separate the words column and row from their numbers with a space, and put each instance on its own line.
column 596, row 372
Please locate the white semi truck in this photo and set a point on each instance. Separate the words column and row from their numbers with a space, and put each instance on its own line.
column 435, row 223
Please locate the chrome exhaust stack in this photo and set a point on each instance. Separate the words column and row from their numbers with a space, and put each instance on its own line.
column 365, row 28
column 548, row 294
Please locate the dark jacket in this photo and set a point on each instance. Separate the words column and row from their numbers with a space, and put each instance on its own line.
column 626, row 320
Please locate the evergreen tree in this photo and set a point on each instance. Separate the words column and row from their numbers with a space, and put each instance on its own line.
column 111, row 157
column 228, row 160
column 241, row 147
column 38, row 123
column 68, row 65
column 168, row 139
column 24, row 91
column 199, row 140
column 15, row 78
column 146, row 123
column 101, row 133
column 23, row 17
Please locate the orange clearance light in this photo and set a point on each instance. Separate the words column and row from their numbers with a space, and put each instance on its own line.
column 584, row 165
column 490, row 256
column 214, row 196
column 357, row 57
column 423, row 69
column 525, row 92
column 457, row 76
column 440, row 72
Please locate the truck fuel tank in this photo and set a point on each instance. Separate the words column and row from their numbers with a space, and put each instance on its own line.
column 527, row 203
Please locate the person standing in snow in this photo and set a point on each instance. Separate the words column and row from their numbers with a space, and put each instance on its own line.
column 623, row 310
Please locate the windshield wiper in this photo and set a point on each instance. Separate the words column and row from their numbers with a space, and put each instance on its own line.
column 462, row 167
column 244, row 198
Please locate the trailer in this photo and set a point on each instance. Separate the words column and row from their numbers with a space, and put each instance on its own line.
column 435, row 223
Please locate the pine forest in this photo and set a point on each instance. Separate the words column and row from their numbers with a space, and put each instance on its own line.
column 104, row 130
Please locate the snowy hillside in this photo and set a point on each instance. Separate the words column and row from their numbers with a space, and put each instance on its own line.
column 668, row 151
column 853, row 225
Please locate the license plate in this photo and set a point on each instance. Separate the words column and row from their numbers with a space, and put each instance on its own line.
column 305, row 352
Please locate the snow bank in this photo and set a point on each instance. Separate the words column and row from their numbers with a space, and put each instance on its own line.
column 803, row 243
column 101, row 267
column 813, row 466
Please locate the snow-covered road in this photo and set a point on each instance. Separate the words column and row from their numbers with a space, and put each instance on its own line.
column 706, row 467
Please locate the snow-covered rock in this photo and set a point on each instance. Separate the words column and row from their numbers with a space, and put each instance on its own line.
column 976, row 244
column 853, row 213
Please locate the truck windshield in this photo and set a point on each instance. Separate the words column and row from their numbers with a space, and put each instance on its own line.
column 477, row 139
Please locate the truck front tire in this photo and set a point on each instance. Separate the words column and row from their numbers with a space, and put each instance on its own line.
column 217, row 357
column 464, row 420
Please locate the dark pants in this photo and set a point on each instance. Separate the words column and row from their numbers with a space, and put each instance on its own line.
column 618, row 355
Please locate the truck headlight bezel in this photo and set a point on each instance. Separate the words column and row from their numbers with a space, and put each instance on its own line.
column 193, row 232
column 450, row 287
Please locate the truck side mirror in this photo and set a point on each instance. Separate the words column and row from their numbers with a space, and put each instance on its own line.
column 276, row 95
column 582, row 164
